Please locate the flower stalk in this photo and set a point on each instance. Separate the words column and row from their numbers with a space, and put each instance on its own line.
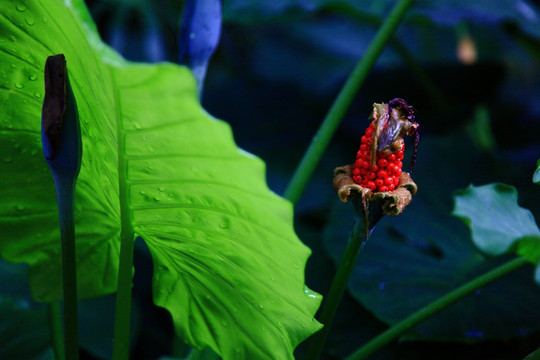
column 62, row 148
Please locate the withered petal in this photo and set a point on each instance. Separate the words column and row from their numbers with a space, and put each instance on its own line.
column 393, row 201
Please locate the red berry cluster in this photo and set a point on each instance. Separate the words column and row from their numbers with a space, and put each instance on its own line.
column 384, row 176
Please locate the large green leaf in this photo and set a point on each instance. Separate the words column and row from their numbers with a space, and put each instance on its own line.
column 228, row 265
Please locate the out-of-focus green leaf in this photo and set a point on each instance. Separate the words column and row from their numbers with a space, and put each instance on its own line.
column 529, row 248
column 495, row 218
column 536, row 175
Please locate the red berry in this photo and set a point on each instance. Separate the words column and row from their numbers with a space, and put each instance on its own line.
column 369, row 131
column 365, row 139
column 371, row 176
column 357, row 179
column 379, row 182
column 358, row 163
column 391, row 157
column 388, row 180
column 396, row 181
column 356, row 171
column 382, row 174
column 383, row 188
column 371, row 185
column 382, row 162
column 398, row 173
column 391, row 187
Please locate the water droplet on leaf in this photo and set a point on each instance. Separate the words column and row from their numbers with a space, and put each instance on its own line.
column 20, row 7
column 32, row 78
column 30, row 21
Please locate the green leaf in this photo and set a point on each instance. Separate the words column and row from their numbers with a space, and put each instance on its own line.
column 529, row 248
column 536, row 175
column 495, row 218
column 227, row 263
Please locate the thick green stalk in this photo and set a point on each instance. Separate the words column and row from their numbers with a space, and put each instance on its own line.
column 337, row 111
column 122, row 318
column 436, row 306
column 54, row 316
column 65, row 189
column 337, row 289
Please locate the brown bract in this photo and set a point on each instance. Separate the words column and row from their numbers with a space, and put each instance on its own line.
column 393, row 202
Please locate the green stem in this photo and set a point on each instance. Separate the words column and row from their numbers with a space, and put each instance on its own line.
column 56, row 332
column 436, row 306
column 337, row 289
column 122, row 318
column 337, row 111
column 65, row 189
